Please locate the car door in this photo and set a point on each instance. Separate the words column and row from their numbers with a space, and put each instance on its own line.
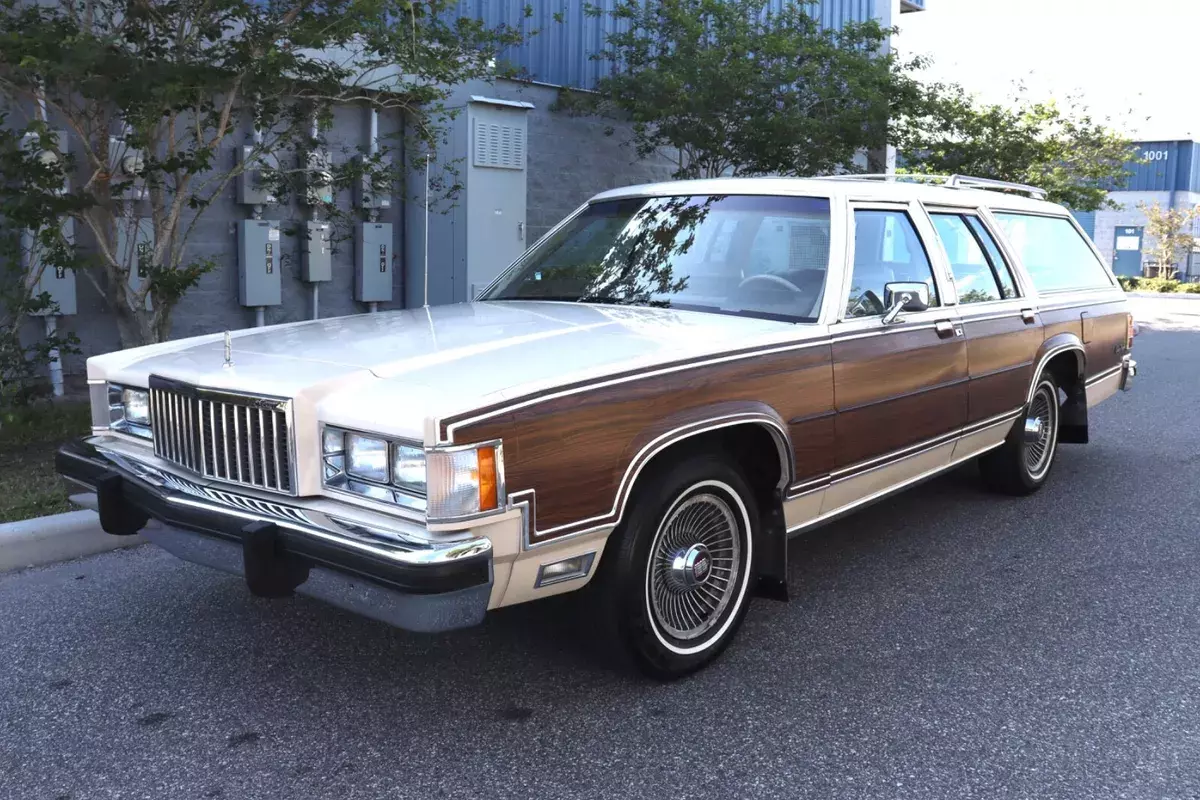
column 1001, row 327
column 900, row 389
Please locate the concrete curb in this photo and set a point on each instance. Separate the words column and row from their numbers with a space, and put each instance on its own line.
column 60, row 537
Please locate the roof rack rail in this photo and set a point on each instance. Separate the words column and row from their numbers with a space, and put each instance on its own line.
column 948, row 181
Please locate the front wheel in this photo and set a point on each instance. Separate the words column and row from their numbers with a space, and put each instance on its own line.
column 1023, row 463
column 676, row 588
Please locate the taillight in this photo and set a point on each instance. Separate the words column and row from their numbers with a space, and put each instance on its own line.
column 1130, row 331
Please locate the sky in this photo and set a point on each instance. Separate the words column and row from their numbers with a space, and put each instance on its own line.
column 1132, row 61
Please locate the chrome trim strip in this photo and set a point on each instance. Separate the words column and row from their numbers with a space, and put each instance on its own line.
column 1108, row 373
column 846, row 509
column 1049, row 354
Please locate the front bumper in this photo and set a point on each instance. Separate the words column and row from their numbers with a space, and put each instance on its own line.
column 1128, row 372
column 410, row 582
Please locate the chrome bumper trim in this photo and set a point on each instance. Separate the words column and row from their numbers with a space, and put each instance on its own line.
column 423, row 613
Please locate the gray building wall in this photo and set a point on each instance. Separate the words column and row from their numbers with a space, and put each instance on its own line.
column 1130, row 213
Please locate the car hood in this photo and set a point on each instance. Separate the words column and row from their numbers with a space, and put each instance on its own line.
column 396, row 371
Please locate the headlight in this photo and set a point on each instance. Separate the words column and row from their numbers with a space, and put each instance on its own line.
column 408, row 468
column 367, row 458
column 446, row 484
column 129, row 410
column 374, row 467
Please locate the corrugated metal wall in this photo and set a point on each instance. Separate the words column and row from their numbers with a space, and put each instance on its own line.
column 1166, row 166
column 560, row 52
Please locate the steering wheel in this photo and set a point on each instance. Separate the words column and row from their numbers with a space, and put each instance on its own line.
column 868, row 304
column 775, row 280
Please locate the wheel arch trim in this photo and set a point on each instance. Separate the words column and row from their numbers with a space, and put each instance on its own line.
column 644, row 456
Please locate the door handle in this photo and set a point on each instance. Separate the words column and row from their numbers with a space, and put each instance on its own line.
column 944, row 328
column 1028, row 315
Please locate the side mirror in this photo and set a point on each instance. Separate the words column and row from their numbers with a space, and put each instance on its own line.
column 904, row 296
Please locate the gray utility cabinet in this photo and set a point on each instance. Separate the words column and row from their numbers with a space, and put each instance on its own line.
column 258, row 263
column 373, row 262
column 485, row 231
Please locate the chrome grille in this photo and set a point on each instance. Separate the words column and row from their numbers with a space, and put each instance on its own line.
column 237, row 438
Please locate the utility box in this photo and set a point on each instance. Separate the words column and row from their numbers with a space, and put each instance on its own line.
column 318, row 177
column 258, row 263
column 58, row 282
column 316, row 262
column 135, row 241
column 373, row 193
column 373, row 262
column 127, row 164
column 250, row 188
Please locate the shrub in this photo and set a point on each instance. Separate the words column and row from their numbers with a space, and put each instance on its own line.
column 1128, row 283
column 1158, row 285
column 1189, row 288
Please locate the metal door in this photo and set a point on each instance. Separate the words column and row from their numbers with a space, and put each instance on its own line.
column 1127, row 250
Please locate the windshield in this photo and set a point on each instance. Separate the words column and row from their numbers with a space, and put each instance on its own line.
column 749, row 255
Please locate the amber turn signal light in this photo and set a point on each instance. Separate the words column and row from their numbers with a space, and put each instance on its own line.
column 489, row 492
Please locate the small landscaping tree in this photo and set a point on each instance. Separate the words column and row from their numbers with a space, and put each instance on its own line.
column 1077, row 159
column 735, row 87
column 1171, row 230
column 154, row 92
column 30, row 196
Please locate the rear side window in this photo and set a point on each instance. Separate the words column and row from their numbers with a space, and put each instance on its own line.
column 1054, row 253
column 980, row 273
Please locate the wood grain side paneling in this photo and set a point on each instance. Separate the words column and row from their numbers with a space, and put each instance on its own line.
column 1105, row 333
column 895, row 390
column 1000, row 353
column 574, row 450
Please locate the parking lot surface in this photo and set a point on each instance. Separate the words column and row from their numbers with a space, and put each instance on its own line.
column 945, row 643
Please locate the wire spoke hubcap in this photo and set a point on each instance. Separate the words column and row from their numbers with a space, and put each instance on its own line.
column 1041, row 424
column 694, row 566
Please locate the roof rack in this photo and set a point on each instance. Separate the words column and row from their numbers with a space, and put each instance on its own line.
column 948, row 181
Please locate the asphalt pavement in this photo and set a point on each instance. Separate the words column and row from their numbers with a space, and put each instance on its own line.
column 945, row 643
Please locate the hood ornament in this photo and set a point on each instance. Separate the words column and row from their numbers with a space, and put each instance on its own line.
column 228, row 350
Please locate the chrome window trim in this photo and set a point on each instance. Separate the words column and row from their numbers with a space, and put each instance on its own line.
column 977, row 213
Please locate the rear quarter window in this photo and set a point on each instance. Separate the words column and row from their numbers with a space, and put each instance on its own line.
column 1054, row 253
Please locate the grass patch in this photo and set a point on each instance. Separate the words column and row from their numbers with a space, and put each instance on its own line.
column 29, row 486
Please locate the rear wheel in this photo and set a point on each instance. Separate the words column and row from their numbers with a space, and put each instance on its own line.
column 675, row 588
column 1022, row 465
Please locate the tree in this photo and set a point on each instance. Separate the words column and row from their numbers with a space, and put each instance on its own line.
column 1060, row 148
column 1171, row 229
column 153, row 92
column 29, row 247
column 735, row 87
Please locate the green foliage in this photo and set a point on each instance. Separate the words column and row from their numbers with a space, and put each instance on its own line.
column 1158, row 285
column 30, row 244
column 184, row 80
column 1060, row 148
column 1128, row 283
column 1170, row 230
column 734, row 87
column 1188, row 288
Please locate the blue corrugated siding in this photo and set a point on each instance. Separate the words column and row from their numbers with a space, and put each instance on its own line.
column 1087, row 221
column 560, row 53
column 1165, row 167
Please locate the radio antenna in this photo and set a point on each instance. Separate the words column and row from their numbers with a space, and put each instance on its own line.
column 427, row 231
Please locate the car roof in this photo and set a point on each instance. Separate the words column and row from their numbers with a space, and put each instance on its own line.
column 842, row 187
